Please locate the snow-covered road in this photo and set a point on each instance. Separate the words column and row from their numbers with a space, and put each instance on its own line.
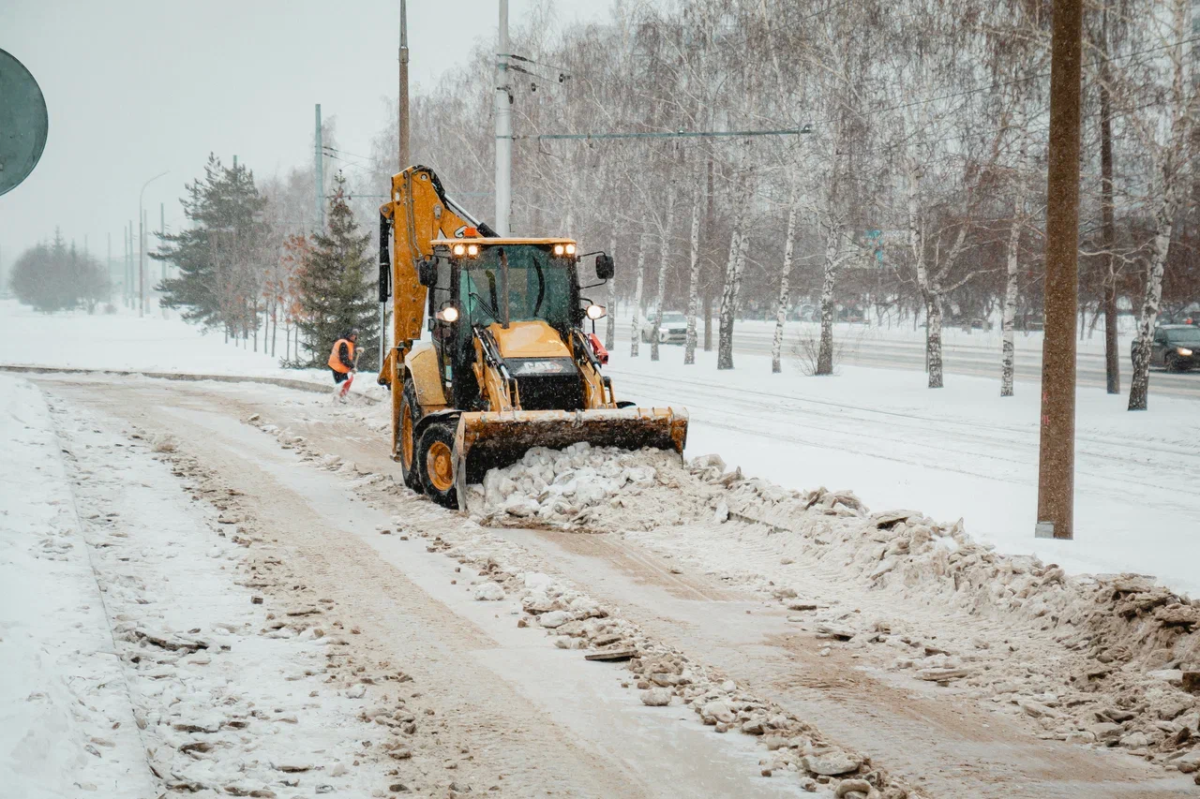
column 305, row 499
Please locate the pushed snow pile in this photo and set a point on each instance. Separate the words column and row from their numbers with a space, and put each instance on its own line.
column 557, row 485
column 1112, row 660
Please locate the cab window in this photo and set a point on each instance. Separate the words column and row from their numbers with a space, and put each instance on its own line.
column 539, row 286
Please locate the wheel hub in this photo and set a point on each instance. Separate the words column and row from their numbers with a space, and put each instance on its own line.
column 439, row 463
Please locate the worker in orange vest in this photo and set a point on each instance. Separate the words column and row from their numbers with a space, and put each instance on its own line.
column 343, row 362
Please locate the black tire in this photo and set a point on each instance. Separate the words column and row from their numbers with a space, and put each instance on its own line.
column 410, row 414
column 435, row 461
column 1171, row 362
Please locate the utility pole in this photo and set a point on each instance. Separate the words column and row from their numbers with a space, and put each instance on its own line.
column 142, row 245
column 129, row 264
column 403, row 156
column 503, row 128
column 141, row 264
column 319, row 174
column 162, row 231
column 1056, row 468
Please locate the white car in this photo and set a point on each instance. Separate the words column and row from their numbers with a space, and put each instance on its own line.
column 673, row 329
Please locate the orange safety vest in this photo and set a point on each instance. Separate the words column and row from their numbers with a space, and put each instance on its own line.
column 335, row 363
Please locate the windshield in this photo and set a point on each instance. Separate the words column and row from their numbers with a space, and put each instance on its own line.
column 1184, row 335
column 539, row 287
column 673, row 318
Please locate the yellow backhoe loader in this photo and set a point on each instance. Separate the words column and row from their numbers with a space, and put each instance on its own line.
column 508, row 365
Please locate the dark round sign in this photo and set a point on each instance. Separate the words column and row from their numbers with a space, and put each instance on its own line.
column 23, row 122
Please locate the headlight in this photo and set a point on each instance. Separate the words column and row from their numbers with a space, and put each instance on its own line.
column 448, row 314
column 472, row 249
column 1184, row 351
column 595, row 312
column 559, row 249
column 459, row 249
column 570, row 249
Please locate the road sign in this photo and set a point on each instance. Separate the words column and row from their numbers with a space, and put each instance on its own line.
column 24, row 122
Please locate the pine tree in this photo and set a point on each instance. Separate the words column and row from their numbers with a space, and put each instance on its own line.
column 219, row 256
column 335, row 284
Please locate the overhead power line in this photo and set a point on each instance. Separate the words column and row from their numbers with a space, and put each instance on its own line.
column 677, row 134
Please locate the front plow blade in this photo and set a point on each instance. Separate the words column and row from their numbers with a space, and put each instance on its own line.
column 489, row 440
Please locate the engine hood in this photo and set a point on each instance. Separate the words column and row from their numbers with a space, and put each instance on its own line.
column 529, row 340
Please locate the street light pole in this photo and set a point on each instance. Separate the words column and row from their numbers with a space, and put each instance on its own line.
column 142, row 246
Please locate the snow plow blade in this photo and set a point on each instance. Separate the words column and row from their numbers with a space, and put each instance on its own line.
column 489, row 440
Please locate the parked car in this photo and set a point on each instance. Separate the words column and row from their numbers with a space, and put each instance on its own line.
column 1175, row 348
column 969, row 322
column 673, row 329
column 851, row 315
column 806, row 313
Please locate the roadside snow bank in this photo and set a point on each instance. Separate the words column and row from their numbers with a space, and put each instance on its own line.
column 1106, row 659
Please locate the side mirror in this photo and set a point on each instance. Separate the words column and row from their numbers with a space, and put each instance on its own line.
column 604, row 266
column 427, row 271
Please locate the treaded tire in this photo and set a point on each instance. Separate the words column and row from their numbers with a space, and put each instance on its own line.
column 410, row 414
column 437, row 474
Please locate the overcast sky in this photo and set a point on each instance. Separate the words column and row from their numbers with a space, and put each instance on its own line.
column 138, row 87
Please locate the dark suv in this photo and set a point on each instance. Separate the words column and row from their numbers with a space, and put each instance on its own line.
column 1176, row 348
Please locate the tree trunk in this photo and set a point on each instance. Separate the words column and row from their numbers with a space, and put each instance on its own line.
column 1164, row 225
column 1108, row 233
column 1008, row 356
column 732, row 287
column 664, row 261
column 637, row 297
column 933, row 305
column 710, row 226
column 610, row 321
column 689, row 351
column 725, row 331
column 708, row 316
column 825, row 348
column 784, row 274
column 1010, row 308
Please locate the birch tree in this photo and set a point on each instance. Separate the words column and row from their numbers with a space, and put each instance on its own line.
column 785, row 273
column 693, row 303
column 1169, row 140
column 733, row 272
column 663, row 264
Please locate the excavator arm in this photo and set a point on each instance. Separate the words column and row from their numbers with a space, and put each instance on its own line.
column 418, row 212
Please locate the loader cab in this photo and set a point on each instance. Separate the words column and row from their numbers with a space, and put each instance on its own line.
column 524, row 294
